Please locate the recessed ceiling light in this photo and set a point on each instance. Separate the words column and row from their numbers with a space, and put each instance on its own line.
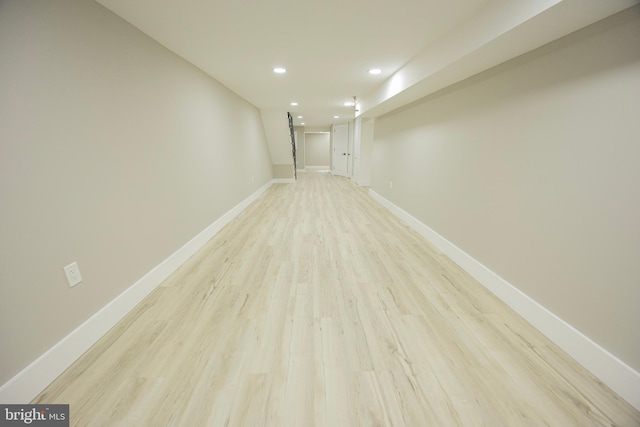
column 375, row 71
column 336, row 117
column 299, row 117
column 294, row 104
column 302, row 124
column 349, row 104
column 279, row 70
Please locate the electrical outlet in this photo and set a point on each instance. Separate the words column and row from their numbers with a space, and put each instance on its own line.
column 72, row 271
column 253, row 178
column 390, row 184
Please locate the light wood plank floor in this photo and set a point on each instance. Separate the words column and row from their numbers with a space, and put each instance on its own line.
column 317, row 307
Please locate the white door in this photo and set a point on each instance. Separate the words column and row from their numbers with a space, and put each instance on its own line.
column 340, row 158
column 355, row 151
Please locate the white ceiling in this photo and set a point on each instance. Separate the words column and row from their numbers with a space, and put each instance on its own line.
column 327, row 46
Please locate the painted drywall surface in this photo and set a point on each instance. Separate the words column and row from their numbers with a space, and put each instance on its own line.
column 114, row 153
column 276, row 126
column 532, row 169
column 283, row 171
column 317, row 149
column 500, row 31
column 366, row 151
column 362, row 150
column 317, row 129
column 299, row 147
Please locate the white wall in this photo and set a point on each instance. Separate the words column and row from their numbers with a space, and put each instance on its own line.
column 114, row 153
column 532, row 168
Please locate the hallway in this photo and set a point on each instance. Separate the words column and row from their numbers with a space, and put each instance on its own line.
column 316, row 306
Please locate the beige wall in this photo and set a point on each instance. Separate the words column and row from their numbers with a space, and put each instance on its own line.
column 533, row 168
column 114, row 152
column 283, row 171
column 316, row 146
column 276, row 126
column 299, row 147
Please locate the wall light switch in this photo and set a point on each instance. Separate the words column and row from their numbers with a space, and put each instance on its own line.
column 72, row 271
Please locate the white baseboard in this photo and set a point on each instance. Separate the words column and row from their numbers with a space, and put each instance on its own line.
column 612, row 371
column 283, row 180
column 29, row 382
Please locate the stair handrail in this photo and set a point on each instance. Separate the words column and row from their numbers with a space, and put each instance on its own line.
column 293, row 145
